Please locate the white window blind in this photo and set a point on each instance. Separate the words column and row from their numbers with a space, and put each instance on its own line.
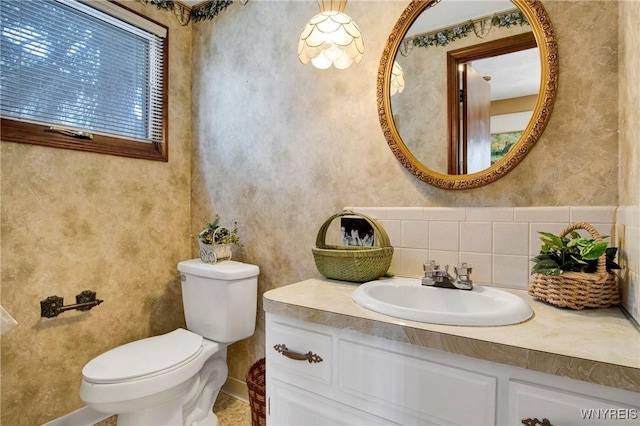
column 66, row 64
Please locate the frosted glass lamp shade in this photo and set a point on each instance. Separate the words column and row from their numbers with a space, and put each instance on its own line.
column 330, row 38
column 397, row 79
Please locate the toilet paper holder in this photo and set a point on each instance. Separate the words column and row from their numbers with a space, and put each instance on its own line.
column 53, row 306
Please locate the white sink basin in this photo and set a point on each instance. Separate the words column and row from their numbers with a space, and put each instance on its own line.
column 406, row 298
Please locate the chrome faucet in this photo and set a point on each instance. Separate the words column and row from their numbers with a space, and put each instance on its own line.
column 436, row 277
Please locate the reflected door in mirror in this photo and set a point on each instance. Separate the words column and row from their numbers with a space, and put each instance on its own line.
column 471, row 97
column 475, row 97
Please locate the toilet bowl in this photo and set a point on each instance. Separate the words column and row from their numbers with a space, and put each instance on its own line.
column 174, row 378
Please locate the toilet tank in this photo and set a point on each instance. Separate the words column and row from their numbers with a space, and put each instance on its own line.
column 220, row 300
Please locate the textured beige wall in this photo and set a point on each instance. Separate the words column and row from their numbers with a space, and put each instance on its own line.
column 281, row 146
column 629, row 75
column 73, row 221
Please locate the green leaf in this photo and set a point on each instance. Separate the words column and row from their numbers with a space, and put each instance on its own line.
column 580, row 242
column 540, row 257
column 546, row 266
column 571, row 253
column 551, row 240
column 593, row 251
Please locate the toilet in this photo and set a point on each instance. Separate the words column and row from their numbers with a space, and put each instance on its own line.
column 174, row 378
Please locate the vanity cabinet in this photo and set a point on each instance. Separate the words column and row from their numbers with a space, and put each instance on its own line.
column 318, row 375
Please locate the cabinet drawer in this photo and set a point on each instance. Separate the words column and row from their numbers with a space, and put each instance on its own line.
column 401, row 383
column 301, row 340
column 292, row 406
column 529, row 401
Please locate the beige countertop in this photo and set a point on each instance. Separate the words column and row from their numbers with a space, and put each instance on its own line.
column 594, row 345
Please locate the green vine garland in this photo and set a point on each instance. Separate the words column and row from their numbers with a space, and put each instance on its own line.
column 509, row 19
column 161, row 4
column 444, row 37
column 209, row 9
column 200, row 12
column 447, row 35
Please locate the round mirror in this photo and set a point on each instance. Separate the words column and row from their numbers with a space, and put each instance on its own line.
column 466, row 88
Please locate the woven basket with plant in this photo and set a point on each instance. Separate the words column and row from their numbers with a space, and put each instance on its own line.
column 574, row 271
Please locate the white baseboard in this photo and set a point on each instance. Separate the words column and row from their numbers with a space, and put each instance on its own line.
column 85, row 416
column 236, row 388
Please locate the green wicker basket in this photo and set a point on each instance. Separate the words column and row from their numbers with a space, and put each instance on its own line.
column 353, row 263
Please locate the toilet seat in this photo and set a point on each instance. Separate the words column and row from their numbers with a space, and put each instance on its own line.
column 104, row 384
column 144, row 358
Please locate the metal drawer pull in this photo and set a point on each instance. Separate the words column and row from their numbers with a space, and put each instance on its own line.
column 309, row 356
column 536, row 422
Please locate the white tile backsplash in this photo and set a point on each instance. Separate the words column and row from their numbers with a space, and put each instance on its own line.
column 444, row 236
column 498, row 241
column 476, row 237
column 597, row 214
column 415, row 234
column 445, row 258
column 394, row 231
column 444, row 213
column 628, row 225
column 511, row 238
column 374, row 212
column 482, row 266
column 494, row 214
column 632, row 236
column 412, row 261
column 405, row 213
column 510, row 271
column 542, row 214
column 629, row 215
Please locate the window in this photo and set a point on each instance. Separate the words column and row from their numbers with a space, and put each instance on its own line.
column 89, row 76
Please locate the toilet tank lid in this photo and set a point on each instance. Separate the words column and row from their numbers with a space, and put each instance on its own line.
column 223, row 270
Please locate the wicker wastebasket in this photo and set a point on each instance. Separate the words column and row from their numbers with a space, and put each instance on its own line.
column 257, row 393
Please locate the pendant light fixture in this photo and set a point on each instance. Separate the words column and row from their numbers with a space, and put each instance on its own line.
column 331, row 38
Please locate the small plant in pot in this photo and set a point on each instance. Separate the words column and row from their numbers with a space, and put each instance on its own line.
column 216, row 241
column 571, row 253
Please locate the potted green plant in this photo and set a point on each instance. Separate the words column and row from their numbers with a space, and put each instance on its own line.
column 216, row 241
column 572, row 253
column 575, row 271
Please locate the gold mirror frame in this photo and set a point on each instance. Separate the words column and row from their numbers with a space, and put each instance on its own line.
column 548, row 45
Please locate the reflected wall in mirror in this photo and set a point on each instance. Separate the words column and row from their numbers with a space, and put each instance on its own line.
column 432, row 126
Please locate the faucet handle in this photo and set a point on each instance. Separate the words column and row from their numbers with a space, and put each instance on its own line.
column 463, row 268
column 431, row 266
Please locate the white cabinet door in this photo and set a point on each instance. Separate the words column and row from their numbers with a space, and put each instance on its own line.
column 292, row 406
column 400, row 385
column 561, row 408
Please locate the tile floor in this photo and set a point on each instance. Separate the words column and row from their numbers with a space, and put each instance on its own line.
column 230, row 411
